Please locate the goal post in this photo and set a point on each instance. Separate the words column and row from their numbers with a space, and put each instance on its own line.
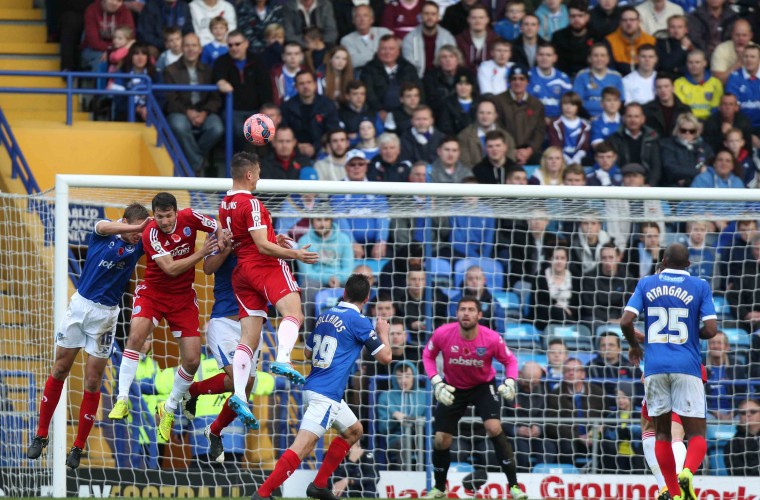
column 502, row 202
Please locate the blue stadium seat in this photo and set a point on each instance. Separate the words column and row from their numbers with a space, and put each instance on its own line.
column 530, row 169
column 738, row 337
column 439, row 271
column 509, row 301
column 375, row 264
column 532, row 356
column 492, row 269
column 522, row 336
column 722, row 308
column 233, row 436
column 555, row 469
column 718, row 436
column 576, row 337
column 327, row 298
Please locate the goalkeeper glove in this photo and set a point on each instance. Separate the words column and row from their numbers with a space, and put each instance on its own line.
column 443, row 392
column 507, row 389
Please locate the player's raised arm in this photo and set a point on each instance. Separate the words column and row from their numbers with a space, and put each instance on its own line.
column 121, row 226
column 174, row 268
column 214, row 261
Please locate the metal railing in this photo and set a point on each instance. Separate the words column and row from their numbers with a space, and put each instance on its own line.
column 155, row 116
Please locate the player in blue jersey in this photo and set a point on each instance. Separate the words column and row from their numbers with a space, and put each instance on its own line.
column 90, row 322
column 333, row 347
column 673, row 304
column 547, row 83
column 222, row 338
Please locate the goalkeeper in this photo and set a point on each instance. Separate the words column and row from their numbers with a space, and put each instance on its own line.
column 468, row 350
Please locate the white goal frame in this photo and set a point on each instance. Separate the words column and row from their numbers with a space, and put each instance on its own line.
column 65, row 182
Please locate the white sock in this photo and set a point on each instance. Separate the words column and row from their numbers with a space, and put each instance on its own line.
column 241, row 369
column 255, row 362
column 648, row 443
column 679, row 452
column 182, row 382
column 287, row 335
column 127, row 372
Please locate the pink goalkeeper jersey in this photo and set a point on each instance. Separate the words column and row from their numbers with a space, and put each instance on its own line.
column 467, row 363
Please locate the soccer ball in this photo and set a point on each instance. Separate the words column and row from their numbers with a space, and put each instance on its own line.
column 259, row 129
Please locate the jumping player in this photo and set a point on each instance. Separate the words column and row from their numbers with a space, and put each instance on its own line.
column 222, row 338
column 673, row 303
column 166, row 291
column 333, row 347
column 468, row 351
column 90, row 322
column 260, row 277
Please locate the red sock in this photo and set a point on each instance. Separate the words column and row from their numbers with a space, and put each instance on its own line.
column 87, row 412
column 334, row 456
column 50, row 397
column 663, row 450
column 695, row 453
column 287, row 463
column 225, row 418
column 213, row 385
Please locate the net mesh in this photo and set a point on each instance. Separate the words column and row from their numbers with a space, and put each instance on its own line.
column 502, row 250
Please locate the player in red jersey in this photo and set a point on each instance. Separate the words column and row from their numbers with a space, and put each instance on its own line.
column 166, row 291
column 260, row 277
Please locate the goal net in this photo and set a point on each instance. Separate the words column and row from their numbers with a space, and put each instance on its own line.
column 552, row 267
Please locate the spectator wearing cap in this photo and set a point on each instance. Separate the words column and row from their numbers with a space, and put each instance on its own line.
column 654, row 15
column 605, row 17
column 590, row 83
column 369, row 234
column 447, row 167
column 686, row 154
column 421, row 45
column 333, row 166
column 605, row 171
column 309, row 114
column 552, row 16
column 475, row 42
column 422, row 139
column 625, row 41
column 492, row 74
column 385, row 74
column 299, row 15
column 708, row 23
column 744, row 83
column 572, row 42
column 727, row 55
column 286, row 162
column 388, row 166
column 363, row 43
column 522, row 115
column 662, row 112
column 472, row 139
column 698, row 89
column 440, row 81
column 458, row 110
column 637, row 143
column 672, row 50
column 494, row 167
column 355, row 109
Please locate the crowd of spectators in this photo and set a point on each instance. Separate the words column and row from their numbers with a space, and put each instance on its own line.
column 607, row 93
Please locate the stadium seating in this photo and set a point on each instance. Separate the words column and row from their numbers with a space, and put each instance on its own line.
column 492, row 269
column 718, row 436
column 576, row 337
column 327, row 298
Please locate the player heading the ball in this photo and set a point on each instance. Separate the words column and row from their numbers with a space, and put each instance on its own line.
column 166, row 291
column 260, row 277
column 673, row 303
column 337, row 340
column 468, row 351
column 90, row 322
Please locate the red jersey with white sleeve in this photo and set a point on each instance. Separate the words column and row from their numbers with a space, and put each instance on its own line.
column 180, row 244
column 240, row 212
column 468, row 363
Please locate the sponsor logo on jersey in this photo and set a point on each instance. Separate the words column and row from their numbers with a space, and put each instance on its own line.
column 109, row 264
column 60, row 336
column 176, row 238
column 186, row 231
column 455, row 349
column 129, row 248
column 137, row 310
column 481, row 351
column 157, row 246
column 209, row 222
column 181, row 250
column 89, row 417
column 478, row 363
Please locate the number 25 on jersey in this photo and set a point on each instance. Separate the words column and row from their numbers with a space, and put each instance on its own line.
column 324, row 350
column 669, row 318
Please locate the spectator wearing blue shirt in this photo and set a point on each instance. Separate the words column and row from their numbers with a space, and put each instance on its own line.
column 218, row 46
column 744, row 83
column 553, row 16
column 367, row 232
column 509, row 27
column 589, row 83
column 547, row 83
column 718, row 176
column 606, row 171
column 570, row 132
column 609, row 120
